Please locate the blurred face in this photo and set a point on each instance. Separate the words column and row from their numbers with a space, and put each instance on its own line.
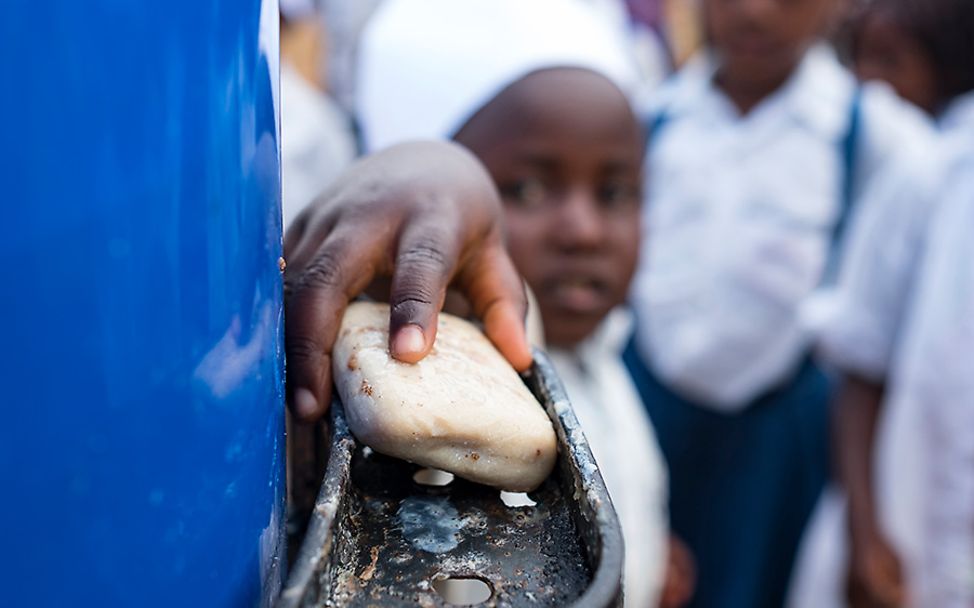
column 759, row 42
column 565, row 152
column 887, row 52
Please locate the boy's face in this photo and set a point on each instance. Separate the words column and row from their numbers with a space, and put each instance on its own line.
column 565, row 151
column 887, row 52
column 761, row 41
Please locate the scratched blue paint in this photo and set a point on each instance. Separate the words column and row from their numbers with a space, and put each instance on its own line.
column 141, row 363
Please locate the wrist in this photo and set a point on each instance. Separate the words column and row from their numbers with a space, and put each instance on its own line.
column 863, row 528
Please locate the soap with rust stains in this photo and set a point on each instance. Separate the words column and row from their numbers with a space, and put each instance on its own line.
column 462, row 409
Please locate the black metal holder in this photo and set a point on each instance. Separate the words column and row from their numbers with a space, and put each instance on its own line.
column 379, row 538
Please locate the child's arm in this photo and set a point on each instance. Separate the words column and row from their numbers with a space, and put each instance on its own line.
column 875, row 573
column 423, row 215
column 680, row 578
column 859, row 333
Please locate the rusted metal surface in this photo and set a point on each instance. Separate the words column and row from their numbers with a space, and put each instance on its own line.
column 307, row 450
column 378, row 538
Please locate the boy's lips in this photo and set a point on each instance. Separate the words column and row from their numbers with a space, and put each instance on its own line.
column 577, row 295
column 752, row 46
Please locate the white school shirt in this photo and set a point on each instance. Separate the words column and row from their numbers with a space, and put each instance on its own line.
column 903, row 312
column 316, row 142
column 622, row 440
column 739, row 219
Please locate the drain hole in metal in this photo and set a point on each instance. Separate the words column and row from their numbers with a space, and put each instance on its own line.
column 462, row 591
column 432, row 477
column 516, row 499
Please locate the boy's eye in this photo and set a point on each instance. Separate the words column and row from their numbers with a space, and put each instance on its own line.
column 615, row 195
column 526, row 193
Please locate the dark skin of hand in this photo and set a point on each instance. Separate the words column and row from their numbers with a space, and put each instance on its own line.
column 421, row 217
column 875, row 577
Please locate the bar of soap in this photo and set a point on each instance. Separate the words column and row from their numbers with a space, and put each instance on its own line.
column 462, row 409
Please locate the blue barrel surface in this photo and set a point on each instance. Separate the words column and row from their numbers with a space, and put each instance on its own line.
column 141, row 358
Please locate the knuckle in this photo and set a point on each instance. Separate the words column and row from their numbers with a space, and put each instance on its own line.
column 411, row 310
column 426, row 254
column 303, row 348
column 489, row 304
column 519, row 297
column 325, row 271
column 410, row 298
column 409, row 305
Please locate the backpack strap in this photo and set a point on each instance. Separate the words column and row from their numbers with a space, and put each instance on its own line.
column 653, row 126
column 849, row 150
column 850, row 145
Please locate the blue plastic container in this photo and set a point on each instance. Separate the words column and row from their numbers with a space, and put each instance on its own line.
column 141, row 359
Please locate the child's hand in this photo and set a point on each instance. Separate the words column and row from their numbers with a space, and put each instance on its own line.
column 875, row 574
column 680, row 578
column 425, row 215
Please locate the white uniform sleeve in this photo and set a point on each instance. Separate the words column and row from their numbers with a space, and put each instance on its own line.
column 857, row 322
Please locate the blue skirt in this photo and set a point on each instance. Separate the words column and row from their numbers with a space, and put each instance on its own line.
column 742, row 485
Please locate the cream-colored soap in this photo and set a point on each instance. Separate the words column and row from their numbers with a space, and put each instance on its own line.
column 462, row 409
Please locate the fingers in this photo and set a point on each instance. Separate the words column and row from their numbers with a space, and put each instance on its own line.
column 436, row 208
column 497, row 295
column 315, row 299
column 425, row 262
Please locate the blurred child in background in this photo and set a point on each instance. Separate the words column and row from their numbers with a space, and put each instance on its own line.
column 663, row 34
column 758, row 150
column 902, row 329
column 536, row 91
column 344, row 22
column 899, row 325
column 316, row 137
column 920, row 47
column 675, row 23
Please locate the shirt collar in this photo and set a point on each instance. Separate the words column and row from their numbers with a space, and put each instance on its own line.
column 609, row 338
column 818, row 94
column 821, row 92
column 605, row 344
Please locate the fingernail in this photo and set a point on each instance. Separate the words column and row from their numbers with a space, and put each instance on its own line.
column 408, row 341
column 305, row 403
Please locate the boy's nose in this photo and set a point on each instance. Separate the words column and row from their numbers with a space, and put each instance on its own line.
column 755, row 9
column 580, row 223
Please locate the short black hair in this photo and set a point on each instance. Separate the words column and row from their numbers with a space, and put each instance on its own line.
column 943, row 28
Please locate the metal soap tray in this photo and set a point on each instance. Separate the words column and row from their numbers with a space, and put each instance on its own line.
column 378, row 538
